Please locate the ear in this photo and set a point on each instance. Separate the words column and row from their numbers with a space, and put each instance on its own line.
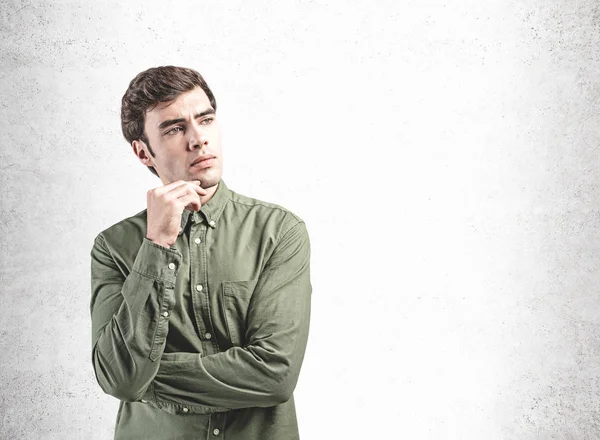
column 140, row 149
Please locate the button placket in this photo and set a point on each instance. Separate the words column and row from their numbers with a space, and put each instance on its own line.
column 217, row 425
column 198, row 288
column 198, row 283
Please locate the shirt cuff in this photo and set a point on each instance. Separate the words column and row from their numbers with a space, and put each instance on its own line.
column 177, row 408
column 158, row 262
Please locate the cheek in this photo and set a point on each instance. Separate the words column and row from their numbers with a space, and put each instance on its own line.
column 171, row 162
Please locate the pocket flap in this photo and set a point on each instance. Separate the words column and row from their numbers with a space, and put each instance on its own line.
column 240, row 289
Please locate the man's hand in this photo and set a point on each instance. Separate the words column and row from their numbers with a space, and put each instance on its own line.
column 165, row 206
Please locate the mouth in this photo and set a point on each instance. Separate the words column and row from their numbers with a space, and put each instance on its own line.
column 203, row 162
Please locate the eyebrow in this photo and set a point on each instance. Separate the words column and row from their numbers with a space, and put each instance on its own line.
column 164, row 124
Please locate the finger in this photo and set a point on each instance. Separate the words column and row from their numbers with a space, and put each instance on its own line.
column 185, row 189
column 179, row 191
column 200, row 190
column 192, row 186
column 169, row 187
column 196, row 184
column 192, row 207
column 190, row 201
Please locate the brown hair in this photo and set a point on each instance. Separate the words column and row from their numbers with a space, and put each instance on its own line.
column 151, row 87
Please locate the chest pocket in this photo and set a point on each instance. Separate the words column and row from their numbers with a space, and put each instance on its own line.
column 235, row 300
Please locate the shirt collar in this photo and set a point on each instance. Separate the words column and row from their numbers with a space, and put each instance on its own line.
column 210, row 211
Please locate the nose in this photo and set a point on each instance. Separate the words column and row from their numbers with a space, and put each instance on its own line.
column 198, row 137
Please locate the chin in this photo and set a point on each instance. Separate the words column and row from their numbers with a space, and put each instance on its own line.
column 207, row 181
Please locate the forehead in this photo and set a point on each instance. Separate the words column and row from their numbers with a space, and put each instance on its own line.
column 184, row 106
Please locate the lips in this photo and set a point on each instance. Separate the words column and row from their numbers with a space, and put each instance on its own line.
column 203, row 161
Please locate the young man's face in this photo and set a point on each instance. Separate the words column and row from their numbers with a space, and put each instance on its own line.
column 181, row 132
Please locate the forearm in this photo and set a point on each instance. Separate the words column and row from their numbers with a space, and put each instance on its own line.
column 130, row 318
column 241, row 377
column 265, row 370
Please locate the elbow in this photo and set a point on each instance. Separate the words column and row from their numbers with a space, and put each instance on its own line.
column 124, row 393
column 279, row 376
column 117, row 383
column 281, row 395
column 281, row 389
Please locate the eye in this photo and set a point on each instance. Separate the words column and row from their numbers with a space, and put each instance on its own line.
column 174, row 130
column 207, row 121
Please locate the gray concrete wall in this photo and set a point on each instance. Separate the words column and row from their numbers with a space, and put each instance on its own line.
column 443, row 154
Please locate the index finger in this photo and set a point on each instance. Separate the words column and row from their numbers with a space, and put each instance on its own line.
column 171, row 186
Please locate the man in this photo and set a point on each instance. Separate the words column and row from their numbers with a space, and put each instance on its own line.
column 200, row 304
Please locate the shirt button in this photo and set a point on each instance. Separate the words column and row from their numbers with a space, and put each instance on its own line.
column 185, row 409
column 212, row 222
column 199, row 287
column 216, row 432
column 171, row 266
column 197, row 240
column 208, row 336
column 165, row 314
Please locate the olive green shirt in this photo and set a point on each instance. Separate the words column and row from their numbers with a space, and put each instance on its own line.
column 205, row 339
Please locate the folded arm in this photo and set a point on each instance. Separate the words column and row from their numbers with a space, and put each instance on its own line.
column 264, row 372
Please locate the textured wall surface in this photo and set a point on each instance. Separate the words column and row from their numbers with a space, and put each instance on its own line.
column 444, row 156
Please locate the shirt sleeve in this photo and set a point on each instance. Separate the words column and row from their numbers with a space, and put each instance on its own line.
column 130, row 316
column 265, row 371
